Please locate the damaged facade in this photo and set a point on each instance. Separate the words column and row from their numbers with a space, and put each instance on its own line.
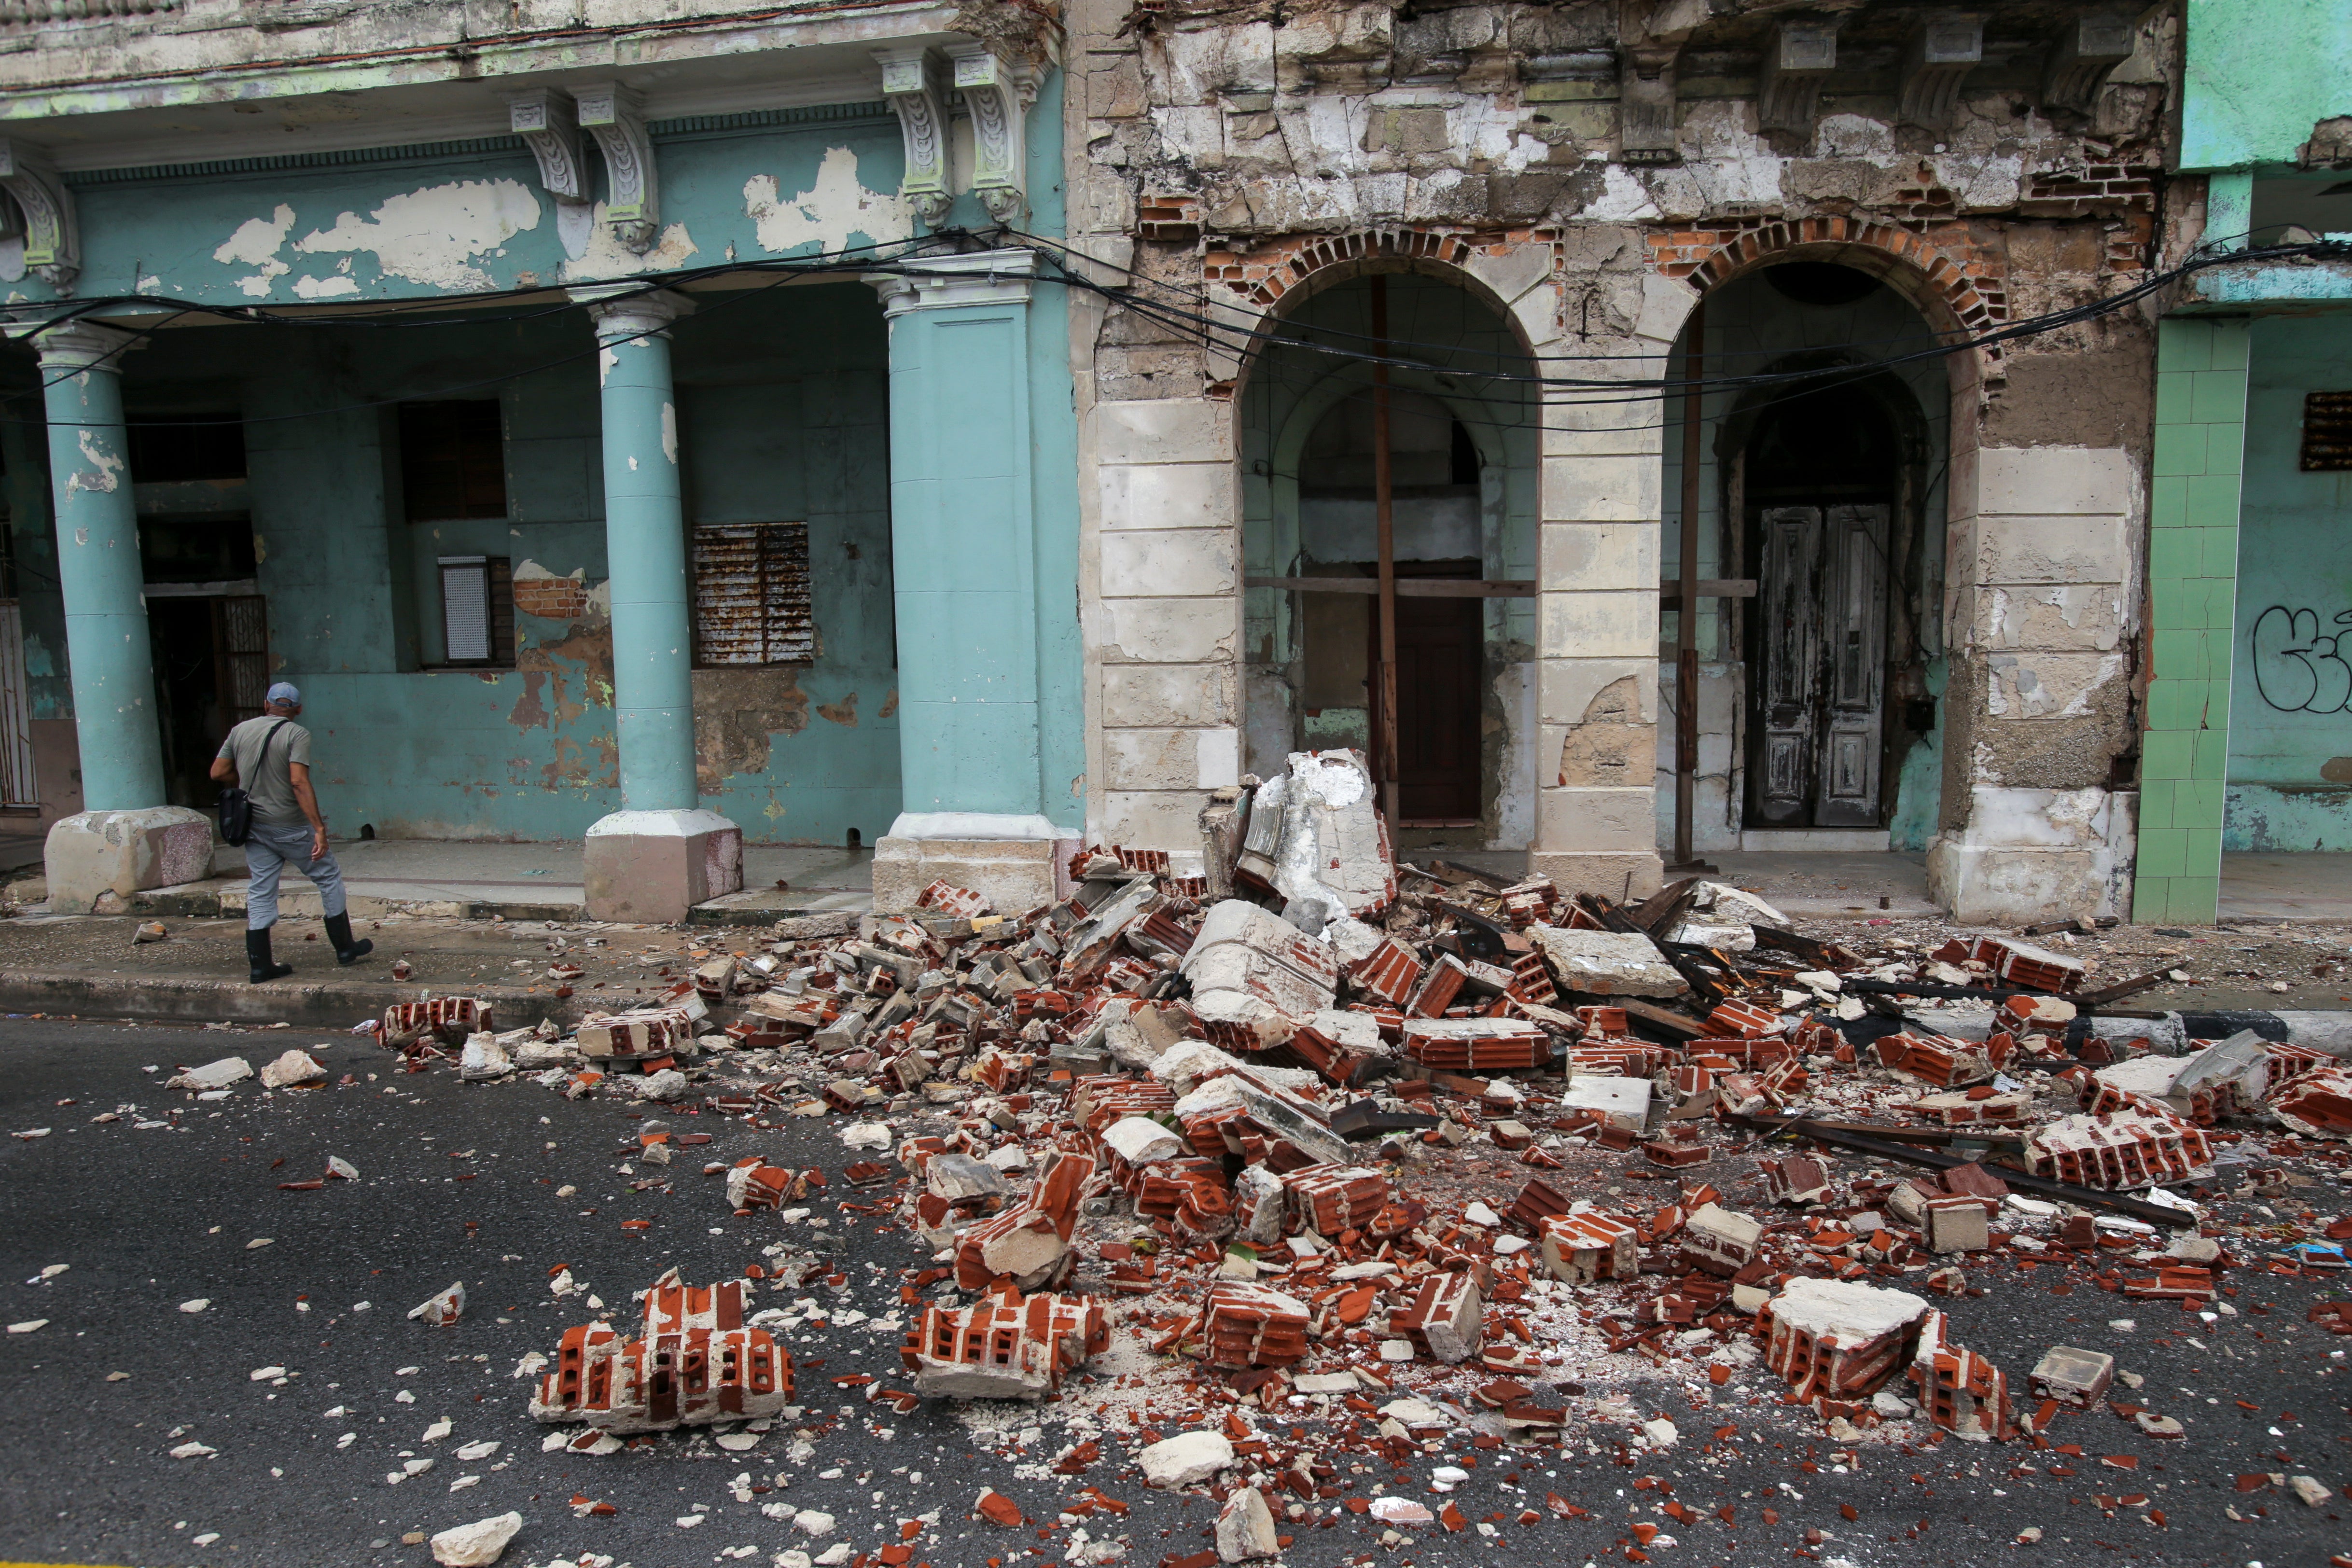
column 1129, row 349
column 576, row 438
column 1919, row 587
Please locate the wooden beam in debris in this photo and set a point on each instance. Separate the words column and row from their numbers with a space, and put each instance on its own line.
column 2025, row 1181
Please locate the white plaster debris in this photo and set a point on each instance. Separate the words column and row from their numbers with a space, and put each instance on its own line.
column 475, row 1545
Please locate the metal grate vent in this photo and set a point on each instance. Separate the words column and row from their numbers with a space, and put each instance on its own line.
column 2326, row 432
column 752, row 603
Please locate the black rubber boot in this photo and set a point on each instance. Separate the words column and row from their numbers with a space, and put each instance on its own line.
column 347, row 951
column 256, row 953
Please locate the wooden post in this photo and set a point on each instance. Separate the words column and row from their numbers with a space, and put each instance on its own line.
column 1384, row 517
column 1686, row 861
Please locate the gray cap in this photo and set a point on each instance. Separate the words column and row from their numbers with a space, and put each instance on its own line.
column 284, row 693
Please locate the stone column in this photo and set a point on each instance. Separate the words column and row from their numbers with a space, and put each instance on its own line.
column 964, row 552
column 660, row 854
column 126, row 838
column 1596, row 602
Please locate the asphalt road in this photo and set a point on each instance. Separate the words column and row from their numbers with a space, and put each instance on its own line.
column 463, row 1183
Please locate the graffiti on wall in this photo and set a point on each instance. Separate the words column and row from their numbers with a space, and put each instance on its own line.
column 2300, row 661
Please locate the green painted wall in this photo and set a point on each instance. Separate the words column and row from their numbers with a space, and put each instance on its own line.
column 2192, row 565
column 2290, row 780
column 2259, row 72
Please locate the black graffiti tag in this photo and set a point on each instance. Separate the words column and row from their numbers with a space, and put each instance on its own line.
column 2300, row 663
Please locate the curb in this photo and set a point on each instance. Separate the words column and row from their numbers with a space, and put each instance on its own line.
column 210, row 906
column 320, row 1005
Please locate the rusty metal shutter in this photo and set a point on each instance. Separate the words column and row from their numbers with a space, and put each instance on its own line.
column 2326, row 432
column 751, row 603
column 241, row 654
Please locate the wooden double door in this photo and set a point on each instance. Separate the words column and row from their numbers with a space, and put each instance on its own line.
column 1818, row 696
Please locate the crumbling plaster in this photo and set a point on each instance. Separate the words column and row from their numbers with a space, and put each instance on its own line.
column 1230, row 158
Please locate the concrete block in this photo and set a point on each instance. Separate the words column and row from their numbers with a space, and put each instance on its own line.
column 2043, row 548
column 2082, row 618
column 1597, row 556
column 1013, row 874
column 1619, row 876
column 1185, row 562
column 1981, row 886
column 2048, row 685
column 1597, row 819
column 1566, row 690
column 1619, row 625
column 1152, row 759
column 1167, row 496
column 1149, row 819
column 1164, row 430
column 1601, row 489
column 654, row 866
column 1169, row 696
column 1150, row 627
column 1607, row 963
column 91, row 854
column 2053, row 480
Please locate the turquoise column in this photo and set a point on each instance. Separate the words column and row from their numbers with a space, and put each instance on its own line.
column 98, row 569
column 964, row 547
column 645, row 545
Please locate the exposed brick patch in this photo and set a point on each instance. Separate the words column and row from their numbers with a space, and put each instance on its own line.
column 551, row 597
column 1265, row 272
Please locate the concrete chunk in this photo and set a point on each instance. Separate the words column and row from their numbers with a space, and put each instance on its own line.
column 1607, row 963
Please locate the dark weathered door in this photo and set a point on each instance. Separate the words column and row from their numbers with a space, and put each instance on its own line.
column 1820, row 689
column 1853, row 586
column 1440, row 643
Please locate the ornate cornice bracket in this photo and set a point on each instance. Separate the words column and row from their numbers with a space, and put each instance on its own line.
column 1798, row 58
column 52, row 235
column 912, row 86
column 549, row 123
column 996, row 93
column 610, row 112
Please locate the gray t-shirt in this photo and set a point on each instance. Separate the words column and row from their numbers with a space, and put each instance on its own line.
column 269, row 779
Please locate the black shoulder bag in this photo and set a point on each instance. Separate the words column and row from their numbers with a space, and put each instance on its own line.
column 235, row 805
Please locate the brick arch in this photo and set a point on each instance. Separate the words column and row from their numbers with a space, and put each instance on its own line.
column 1959, row 287
column 1264, row 282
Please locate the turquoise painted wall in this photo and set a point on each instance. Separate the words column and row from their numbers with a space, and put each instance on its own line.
column 467, row 217
column 2259, row 72
column 782, row 418
column 2290, row 770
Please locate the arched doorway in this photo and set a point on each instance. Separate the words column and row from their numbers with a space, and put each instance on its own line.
column 1822, row 499
column 1461, row 442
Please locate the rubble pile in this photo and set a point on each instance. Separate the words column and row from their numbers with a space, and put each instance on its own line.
column 1393, row 1151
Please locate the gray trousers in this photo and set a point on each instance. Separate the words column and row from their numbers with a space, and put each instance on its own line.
column 270, row 848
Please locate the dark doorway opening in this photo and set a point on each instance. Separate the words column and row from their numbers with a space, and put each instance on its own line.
column 1822, row 480
column 1440, row 656
column 209, row 629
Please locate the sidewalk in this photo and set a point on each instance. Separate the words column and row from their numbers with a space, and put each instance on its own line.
column 466, row 879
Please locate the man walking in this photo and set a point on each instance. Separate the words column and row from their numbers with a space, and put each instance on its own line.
column 270, row 757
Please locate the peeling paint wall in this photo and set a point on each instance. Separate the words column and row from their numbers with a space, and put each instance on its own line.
column 782, row 418
column 409, row 223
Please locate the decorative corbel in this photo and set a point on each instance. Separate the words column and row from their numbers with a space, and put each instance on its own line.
column 1798, row 58
column 609, row 112
column 1645, row 105
column 997, row 93
column 1936, row 61
column 910, row 84
column 549, row 123
column 52, row 237
column 2086, row 52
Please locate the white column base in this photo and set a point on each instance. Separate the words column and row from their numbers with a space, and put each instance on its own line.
column 2028, row 855
column 97, row 860
column 1015, row 874
column 651, row 867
